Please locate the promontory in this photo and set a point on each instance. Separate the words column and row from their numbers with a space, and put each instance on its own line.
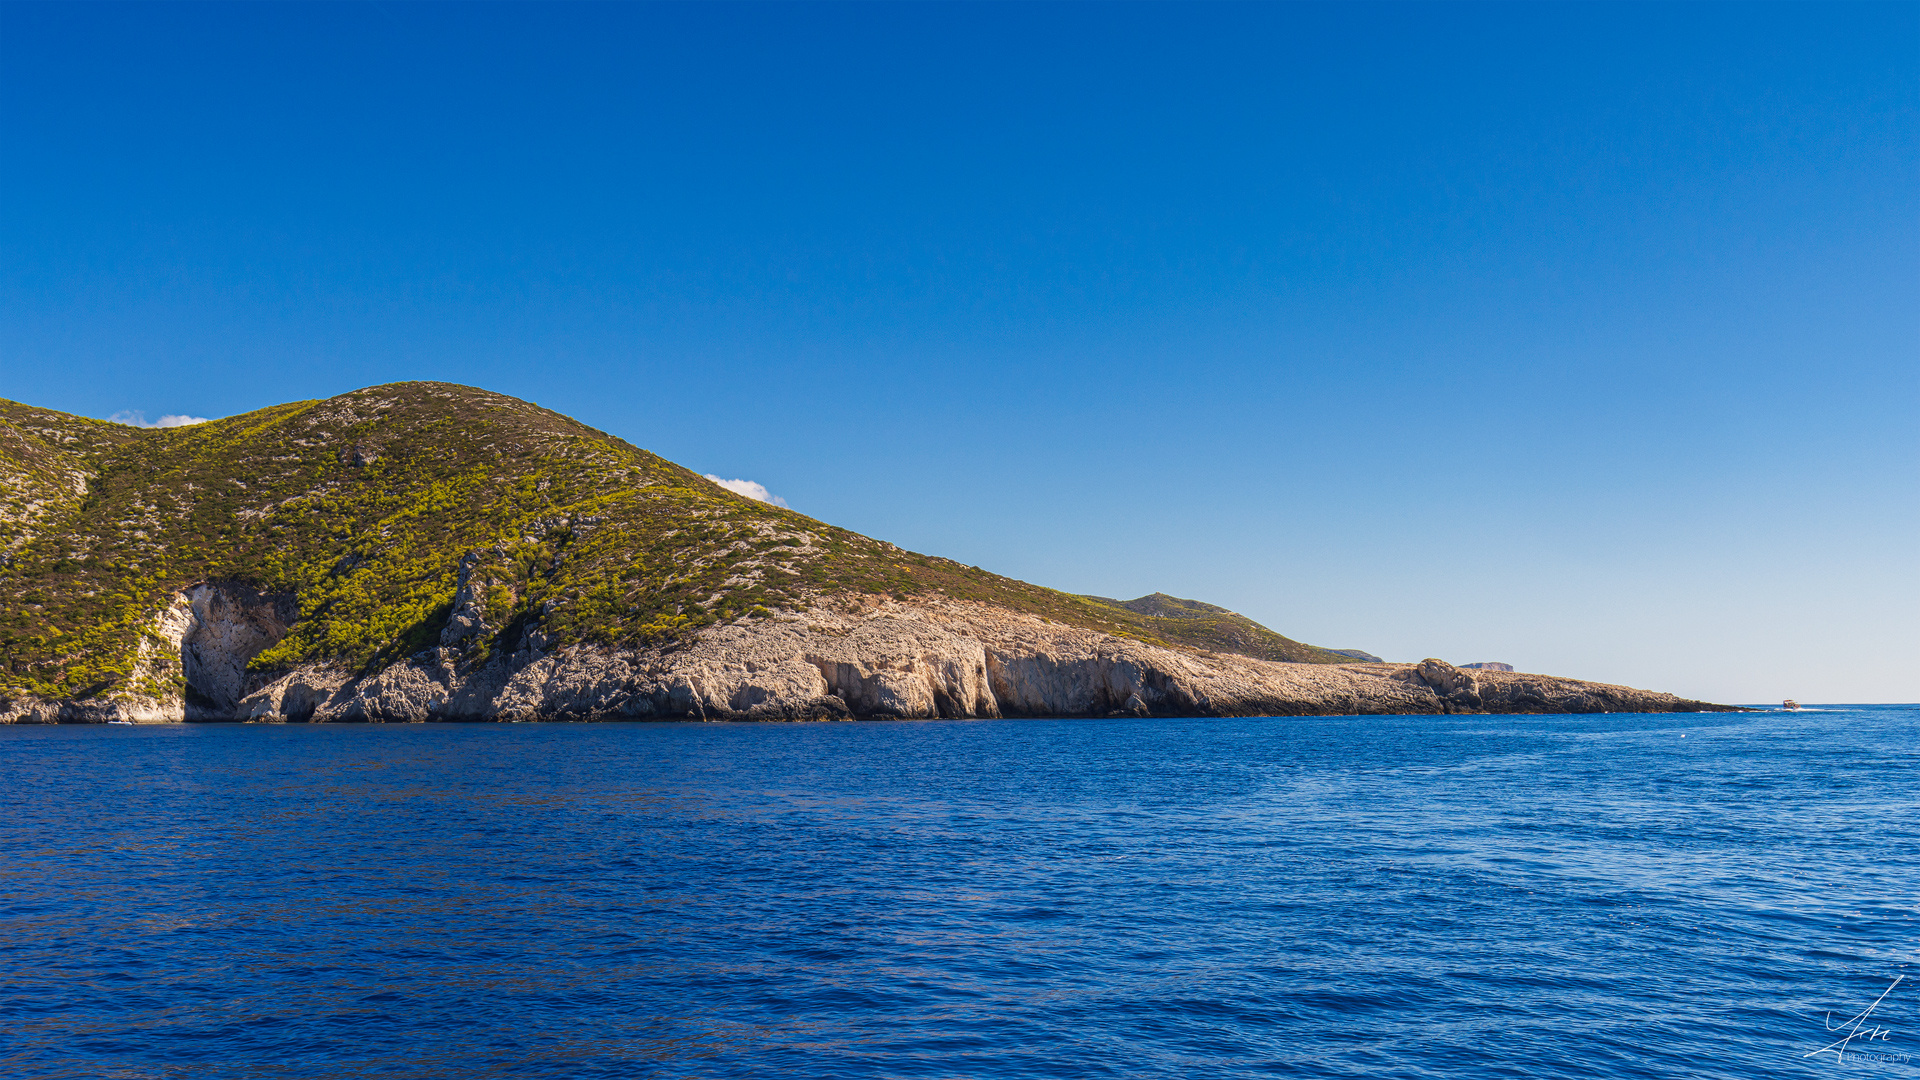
column 431, row 552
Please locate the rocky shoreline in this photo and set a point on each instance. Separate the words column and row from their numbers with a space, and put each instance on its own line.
column 862, row 658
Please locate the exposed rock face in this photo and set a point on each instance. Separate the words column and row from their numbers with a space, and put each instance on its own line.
column 469, row 615
column 223, row 627
column 942, row 659
column 1488, row 665
column 1447, row 682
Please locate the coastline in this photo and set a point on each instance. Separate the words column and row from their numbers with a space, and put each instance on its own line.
column 890, row 660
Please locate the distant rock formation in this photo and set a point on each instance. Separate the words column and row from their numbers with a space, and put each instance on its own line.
column 1488, row 665
column 1358, row 654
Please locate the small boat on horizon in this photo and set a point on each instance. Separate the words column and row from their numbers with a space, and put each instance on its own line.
column 1790, row 704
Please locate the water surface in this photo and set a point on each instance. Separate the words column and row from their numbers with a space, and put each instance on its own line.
column 1597, row 896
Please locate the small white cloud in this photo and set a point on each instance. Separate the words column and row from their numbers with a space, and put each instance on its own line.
column 136, row 418
column 756, row 492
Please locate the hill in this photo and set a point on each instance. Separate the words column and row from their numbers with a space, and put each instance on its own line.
column 433, row 526
column 362, row 507
column 1215, row 629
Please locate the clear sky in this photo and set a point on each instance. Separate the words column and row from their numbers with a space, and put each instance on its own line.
column 1581, row 337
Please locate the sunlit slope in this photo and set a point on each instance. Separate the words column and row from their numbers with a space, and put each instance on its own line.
column 364, row 507
column 46, row 460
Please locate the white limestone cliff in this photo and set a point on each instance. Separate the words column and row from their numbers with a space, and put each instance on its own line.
column 864, row 659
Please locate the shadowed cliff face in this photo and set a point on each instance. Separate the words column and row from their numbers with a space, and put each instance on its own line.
column 223, row 626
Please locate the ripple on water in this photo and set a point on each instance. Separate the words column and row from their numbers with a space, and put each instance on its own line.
column 1337, row 896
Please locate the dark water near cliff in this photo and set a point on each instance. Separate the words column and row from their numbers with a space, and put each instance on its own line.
column 1405, row 896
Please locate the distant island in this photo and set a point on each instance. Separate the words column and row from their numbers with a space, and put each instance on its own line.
column 426, row 551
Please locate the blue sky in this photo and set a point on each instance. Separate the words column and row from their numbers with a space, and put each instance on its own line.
column 1582, row 337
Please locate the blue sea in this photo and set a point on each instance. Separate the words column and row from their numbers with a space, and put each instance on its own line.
column 1526, row 896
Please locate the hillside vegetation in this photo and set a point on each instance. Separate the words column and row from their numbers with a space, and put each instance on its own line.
column 1215, row 629
column 363, row 507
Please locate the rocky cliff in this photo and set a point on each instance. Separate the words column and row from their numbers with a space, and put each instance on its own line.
column 865, row 658
column 432, row 552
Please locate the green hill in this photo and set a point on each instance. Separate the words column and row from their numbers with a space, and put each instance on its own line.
column 362, row 507
column 1215, row 629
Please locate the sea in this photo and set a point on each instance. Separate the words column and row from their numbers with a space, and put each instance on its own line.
column 1694, row 895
